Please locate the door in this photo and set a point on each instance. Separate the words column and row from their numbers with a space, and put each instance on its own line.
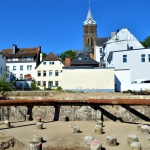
column 51, row 84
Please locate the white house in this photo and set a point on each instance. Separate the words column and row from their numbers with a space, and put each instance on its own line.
column 130, row 59
column 21, row 62
column 48, row 73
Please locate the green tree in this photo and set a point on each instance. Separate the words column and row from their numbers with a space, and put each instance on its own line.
column 5, row 86
column 69, row 53
column 146, row 42
column 43, row 55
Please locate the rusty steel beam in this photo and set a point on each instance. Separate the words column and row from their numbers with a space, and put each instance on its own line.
column 119, row 101
column 53, row 102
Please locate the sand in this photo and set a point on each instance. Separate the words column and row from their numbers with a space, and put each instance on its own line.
column 59, row 135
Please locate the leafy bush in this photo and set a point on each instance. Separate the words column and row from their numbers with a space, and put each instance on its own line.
column 47, row 89
column 5, row 86
column 59, row 88
column 34, row 87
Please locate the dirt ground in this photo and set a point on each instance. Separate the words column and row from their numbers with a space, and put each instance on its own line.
column 58, row 135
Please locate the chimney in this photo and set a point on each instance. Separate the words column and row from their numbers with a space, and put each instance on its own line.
column 39, row 48
column 113, row 34
column 40, row 57
column 67, row 62
column 14, row 49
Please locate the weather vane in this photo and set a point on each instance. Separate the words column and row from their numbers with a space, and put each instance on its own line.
column 89, row 3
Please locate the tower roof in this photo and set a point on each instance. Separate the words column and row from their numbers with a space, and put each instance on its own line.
column 89, row 20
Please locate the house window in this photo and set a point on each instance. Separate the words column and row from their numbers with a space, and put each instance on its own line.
column 143, row 57
column 44, row 62
column 101, row 60
column 85, row 58
column 148, row 57
column 9, row 59
column 51, row 62
column 44, row 73
column 21, row 76
column 56, row 73
column 44, row 83
column 14, row 67
column 39, row 73
column 14, row 77
column 39, row 83
column 79, row 58
column 15, row 59
column 29, row 58
column 7, row 76
column 56, row 83
column 23, row 59
column 29, row 67
column 124, row 58
column 21, row 67
column 7, row 68
column 100, row 50
column 50, row 73
column 1, row 70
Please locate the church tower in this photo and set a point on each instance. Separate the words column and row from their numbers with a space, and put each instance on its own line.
column 89, row 34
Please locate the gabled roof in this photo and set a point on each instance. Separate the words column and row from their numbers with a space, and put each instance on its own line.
column 51, row 57
column 101, row 41
column 80, row 60
column 24, row 52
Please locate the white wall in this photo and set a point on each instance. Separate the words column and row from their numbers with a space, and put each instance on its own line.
column 122, row 80
column 88, row 79
column 2, row 65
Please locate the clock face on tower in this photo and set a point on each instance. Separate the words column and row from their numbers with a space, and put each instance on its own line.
column 90, row 21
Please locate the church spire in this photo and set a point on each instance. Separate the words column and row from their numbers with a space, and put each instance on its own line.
column 89, row 19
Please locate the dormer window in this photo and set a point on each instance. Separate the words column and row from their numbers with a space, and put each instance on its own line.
column 85, row 58
column 80, row 58
column 19, row 52
column 29, row 58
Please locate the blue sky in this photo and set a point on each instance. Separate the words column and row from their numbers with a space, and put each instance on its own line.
column 57, row 25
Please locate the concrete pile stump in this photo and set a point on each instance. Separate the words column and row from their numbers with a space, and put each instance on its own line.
column 96, row 145
column 64, row 118
column 98, row 129
column 132, row 138
column 7, row 123
column 144, row 129
column 135, row 146
column 27, row 117
column 37, row 138
column 111, row 140
column 35, row 146
column 99, row 122
column 76, row 129
column 38, row 119
column 88, row 139
column 139, row 127
column 39, row 125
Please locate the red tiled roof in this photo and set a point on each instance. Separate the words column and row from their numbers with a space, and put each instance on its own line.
column 24, row 52
column 51, row 57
